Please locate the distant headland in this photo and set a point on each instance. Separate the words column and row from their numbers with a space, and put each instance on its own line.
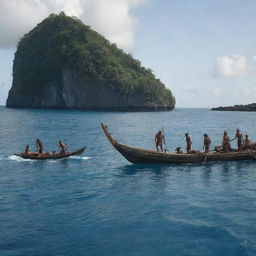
column 249, row 107
column 64, row 64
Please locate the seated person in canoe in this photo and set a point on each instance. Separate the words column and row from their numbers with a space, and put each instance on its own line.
column 27, row 150
column 178, row 150
column 247, row 143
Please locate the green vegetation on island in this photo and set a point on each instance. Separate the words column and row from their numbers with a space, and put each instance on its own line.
column 65, row 64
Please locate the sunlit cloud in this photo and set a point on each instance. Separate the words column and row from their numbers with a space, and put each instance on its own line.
column 232, row 66
column 112, row 18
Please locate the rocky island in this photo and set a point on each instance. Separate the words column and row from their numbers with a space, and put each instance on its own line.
column 63, row 64
column 249, row 107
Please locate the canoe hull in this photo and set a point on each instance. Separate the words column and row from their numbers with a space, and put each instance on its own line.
column 143, row 156
column 151, row 157
column 57, row 156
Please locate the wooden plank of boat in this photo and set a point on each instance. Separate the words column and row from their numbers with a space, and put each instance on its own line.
column 51, row 156
column 140, row 155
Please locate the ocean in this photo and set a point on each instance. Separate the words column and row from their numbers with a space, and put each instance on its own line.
column 100, row 204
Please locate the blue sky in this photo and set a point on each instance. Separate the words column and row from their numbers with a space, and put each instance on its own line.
column 204, row 51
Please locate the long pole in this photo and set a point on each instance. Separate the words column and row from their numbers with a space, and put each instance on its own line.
column 165, row 147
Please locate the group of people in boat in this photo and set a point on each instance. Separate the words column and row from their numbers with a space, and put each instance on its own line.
column 242, row 144
column 40, row 148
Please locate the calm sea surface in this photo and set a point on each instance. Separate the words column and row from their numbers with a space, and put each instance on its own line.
column 100, row 204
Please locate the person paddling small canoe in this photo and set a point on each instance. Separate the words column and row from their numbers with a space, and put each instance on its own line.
column 50, row 155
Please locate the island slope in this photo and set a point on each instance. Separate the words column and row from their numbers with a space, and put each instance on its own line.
column 62, row 63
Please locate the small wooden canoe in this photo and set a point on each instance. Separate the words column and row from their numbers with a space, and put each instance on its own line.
column 51, row 156
column 140, row 155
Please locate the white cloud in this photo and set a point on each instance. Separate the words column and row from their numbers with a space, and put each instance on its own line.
column 232, row 66
column 112, row 18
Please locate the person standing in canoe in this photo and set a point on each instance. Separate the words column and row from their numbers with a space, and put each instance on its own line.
column 240, row 140
column 189, row 142
column 207, row 143
column 63, row 147
column 247, row 143
column 226, row 146
column 39, row 146
column 159, row 140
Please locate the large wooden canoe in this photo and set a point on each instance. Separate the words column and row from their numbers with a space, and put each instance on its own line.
column 51, row 156
column 140, row 155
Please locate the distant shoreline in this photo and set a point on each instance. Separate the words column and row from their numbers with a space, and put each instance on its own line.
column 248, row 108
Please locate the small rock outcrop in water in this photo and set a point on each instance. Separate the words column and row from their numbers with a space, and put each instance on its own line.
column 62, row 63
column 249, row 107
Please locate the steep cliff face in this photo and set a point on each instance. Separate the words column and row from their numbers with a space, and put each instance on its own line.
column 62, row 63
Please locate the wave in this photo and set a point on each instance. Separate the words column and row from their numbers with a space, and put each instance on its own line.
column 80, row 157
column 20, row 159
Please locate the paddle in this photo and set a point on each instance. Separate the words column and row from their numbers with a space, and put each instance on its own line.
column 205, row 157
column 165, row 147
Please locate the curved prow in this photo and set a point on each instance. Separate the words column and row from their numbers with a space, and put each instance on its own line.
column 108, row 135
column 125, row 150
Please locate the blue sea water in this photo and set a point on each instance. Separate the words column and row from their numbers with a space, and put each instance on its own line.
column 100, row 204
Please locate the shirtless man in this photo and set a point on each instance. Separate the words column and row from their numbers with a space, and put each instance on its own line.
column 159, row 140
column 189, row 142
column 226, row 146
column 207, row 143
column 247, row 142
column 63, row 147
column 240, row 139
column 39, row 146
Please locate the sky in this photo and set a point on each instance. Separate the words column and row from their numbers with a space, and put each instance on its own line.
column 203, row 50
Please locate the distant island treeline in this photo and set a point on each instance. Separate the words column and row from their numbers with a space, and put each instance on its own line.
column 250, row 107
column 62, row 63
